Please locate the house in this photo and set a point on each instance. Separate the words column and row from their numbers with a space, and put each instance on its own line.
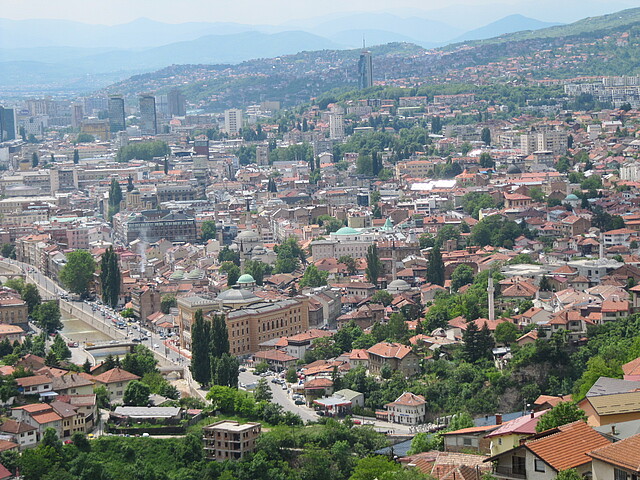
column 448, row 465
column 21, row 433
column 275, row 358
column 408, row 409
column 510, row 434
column 612, row 408
column 116, row 381
column 317, row 388
column 228, row 440
column 396, row 356
column 39, row 415
column 620, row 460
column 72, row 384
column 34, row 385
column 13, row 333
column 550, row 452
column 469, row 439
column 545, row 402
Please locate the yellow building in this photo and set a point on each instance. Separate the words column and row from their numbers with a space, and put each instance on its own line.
column 509, row 435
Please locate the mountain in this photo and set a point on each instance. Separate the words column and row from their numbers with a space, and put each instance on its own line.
column 422, row 29
column 354, row 38
column 509, row 24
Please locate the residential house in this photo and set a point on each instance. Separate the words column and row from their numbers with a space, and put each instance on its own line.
column 471, row 439
column 408, row 409
column 510, row 434
column 35, row 385
column 396, row 356
column 116, row 381
column 228, row 440
column 72, row 384
column 21, row 433
column 631, row 370
column 619, row 460
column 611, row 408
column 545, row 455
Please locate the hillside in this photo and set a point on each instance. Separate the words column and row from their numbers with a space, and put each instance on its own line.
column 607, row 45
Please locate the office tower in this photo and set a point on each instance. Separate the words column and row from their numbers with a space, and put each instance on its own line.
column 148, row 117
column 77, row 112
column 177, row 103
column 233, row 121
column 365, row 70
column 116, row 113
column 7, row 124
column 262, row 155
column 162, row 107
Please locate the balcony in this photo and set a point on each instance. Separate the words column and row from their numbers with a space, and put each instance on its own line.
column 509, row 472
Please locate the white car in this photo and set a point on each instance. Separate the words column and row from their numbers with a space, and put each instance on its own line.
column 155, row 345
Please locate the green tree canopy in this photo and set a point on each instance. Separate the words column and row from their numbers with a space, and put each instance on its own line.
column 561, row 414
column 136, row 394
column 313, row 277
column 77, row 273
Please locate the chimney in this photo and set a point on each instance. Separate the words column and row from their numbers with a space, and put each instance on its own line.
column 613, row 430
column 532, row 414
column 498, row 419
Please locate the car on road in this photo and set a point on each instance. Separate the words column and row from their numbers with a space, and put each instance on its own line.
column 155, row 345
column 299, row 402
column 72, row 344
column 137, row 340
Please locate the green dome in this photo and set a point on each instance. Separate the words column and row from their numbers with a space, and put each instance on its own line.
column 347, row 231
column 571, row 197
column 245, row 278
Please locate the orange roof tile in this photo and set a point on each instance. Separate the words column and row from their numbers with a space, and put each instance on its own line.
column 625, row 453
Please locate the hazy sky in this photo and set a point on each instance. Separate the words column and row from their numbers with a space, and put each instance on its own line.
column 272, row 11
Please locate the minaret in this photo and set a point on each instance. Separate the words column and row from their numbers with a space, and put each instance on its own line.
column 490, row 290
column 394, row 267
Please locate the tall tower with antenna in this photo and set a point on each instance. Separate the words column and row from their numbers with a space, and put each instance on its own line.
column 365, row 68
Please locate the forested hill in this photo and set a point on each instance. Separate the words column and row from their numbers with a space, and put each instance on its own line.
column 606, row 45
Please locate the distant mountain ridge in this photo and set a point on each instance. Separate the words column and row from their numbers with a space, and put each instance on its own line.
column 508, row 24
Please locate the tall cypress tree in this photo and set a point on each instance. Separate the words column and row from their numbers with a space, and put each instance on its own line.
column 374, row 266
column 115, row 197
column 113, row 279
column 219, row 337
column 200, row 344
column 76, row 156
column 435, row 269
column 104, row 273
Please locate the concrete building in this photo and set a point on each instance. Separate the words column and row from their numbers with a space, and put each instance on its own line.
column 7, row 124
column 233, row 121
column 176, row 103
column 346, row 241
column 336, row 124
column 229, row 440
column 154, row 225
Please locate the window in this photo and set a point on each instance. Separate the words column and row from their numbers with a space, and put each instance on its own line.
column 467, row 442
column 538, row 465
column 619, row 474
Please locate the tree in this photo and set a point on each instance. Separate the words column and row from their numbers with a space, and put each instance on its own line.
column 228, row 255
column 506, row 333
column 167, row 303
column 462, row 275
column 545, row 285
column 383, row 297
column 225, row 370
column 486, row 161
column 435, row 268
column 373, row 468
column 350, row 263
column 219, row 336
column 60, row 349
column 374, row 265
column 571, row 474
column 47, row 316
column 34, row 160
column 262, row 391
column 208, row 230
column 8, row 250
column 436, row 125
column 76, row 156
column 257, row 270
column 232, row 271
column 136, row 394
column 289, row 256
column 77, row 273
column 313, row 277
column 16, row 284
column 561, row 414
column 291, row 375
column 110, row 278
column 115, row 197
column 200, row 344
column 31, row 296
column 102, row 396
column 485, row 136
column 51, row 360
column 130, row 185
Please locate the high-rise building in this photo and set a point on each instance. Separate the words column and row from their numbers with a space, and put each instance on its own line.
column 233, row 121
column 148, row 117
column 7, row 124
column 77, row 112
column 365, row 70
column 116, row 113
column 336, row 123
column 177, row 103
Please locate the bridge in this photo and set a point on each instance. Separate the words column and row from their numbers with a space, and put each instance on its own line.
column 111, row 344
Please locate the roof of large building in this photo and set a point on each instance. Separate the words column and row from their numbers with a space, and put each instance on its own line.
column 625, row 453
column 615, row 403
column 389, row 350
column 346, row 231
column 116, row 375
column 245, row 279
column 237, row 295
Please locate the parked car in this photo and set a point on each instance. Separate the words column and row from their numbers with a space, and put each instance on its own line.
column 299, row 402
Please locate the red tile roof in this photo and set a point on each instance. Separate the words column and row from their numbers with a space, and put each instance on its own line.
column 115, row 375
column 625, row 453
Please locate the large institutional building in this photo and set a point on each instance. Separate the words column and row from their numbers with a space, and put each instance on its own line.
column 250, row 319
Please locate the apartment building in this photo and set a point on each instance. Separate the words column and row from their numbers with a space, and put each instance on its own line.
column 228, row 440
